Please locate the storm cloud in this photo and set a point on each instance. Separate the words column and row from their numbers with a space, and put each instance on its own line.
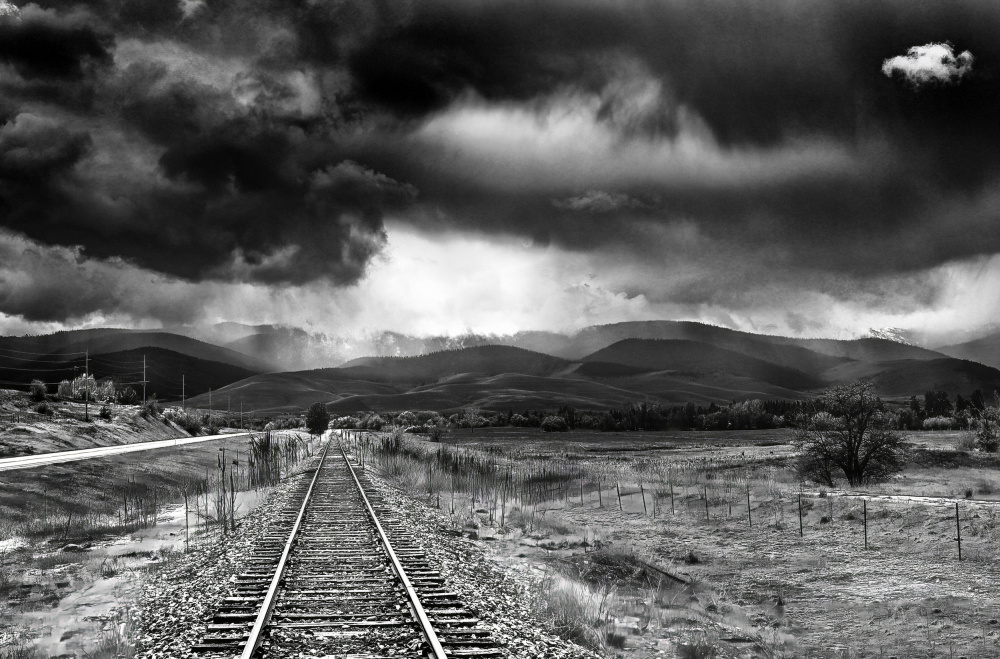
column 273, row 143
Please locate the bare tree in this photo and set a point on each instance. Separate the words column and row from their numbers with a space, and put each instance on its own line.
column 856, row 437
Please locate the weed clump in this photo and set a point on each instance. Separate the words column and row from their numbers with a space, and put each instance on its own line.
column 38, row 390
column 150, row 409
column 189, row 423
column 695, row 651
column 44, row 408
column 573, row 612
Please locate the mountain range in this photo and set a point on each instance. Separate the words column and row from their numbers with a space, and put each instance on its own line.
column 275, row 369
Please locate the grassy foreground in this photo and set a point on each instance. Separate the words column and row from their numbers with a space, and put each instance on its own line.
column 691, row 543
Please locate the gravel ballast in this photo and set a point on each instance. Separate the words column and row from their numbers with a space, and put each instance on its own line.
column 179, row 598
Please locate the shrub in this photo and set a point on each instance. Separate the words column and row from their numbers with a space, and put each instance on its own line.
column 105, row 413
column 44, row 408
column 150, row 408
column 127, row 395
column 65, row 389
column 554, row 424
column 518, row 421
column 105, row 391
column 38, row 390
column 83, row 387
column 607, row 423
column 938, row 423
column 345, row 422
column 187, row 422
column 988, row 430
column 371, row 422
column 966, row 442
column 289, row 423
column 436, row 433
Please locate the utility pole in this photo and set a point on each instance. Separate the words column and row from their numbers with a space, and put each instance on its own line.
column 86, row 379
column 183, row 405
column 241, row 415
column 144, row 379
column 209, row 407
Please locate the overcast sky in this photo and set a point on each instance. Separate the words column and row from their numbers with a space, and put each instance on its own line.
column 783, row 166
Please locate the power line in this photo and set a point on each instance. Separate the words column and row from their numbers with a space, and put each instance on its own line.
column 35, row 359
column 38, row 370
column 115, row 362
column 45, row 354
column 162, row 375
column 22, row 383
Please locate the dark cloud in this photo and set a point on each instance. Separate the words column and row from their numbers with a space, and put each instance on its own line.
column 268, row 141
column 34, row 149
column 43, row 43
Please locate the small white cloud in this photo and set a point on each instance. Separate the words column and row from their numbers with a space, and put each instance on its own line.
column 933, row 62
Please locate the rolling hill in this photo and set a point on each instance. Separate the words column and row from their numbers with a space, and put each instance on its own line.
column 104, row 340
column 692, row 357
column 378, row 380
column 985, row 350
column 480, row 360
column 664, row 362
column 164, row 371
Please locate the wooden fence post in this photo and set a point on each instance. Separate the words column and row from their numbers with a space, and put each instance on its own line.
column 865, row 517
column 958, row 529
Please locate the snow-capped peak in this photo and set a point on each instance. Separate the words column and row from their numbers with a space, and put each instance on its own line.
column 889, row 334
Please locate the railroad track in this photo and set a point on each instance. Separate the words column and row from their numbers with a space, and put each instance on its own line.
column 338, row 574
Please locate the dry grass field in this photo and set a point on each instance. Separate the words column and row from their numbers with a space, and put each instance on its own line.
column 72, row 535
column 635, row 571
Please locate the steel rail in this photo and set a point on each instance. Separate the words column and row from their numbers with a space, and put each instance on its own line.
column 437, row 652
column 267, row 606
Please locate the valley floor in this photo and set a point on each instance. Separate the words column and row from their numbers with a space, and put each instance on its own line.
column 697, row 577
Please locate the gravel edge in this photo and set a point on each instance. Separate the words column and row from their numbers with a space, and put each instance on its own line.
column 499, row 596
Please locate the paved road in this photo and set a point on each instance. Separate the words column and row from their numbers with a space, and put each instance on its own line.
column 38, row 460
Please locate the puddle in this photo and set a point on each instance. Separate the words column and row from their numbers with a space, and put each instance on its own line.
column 71, row 627
column 72, row 602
